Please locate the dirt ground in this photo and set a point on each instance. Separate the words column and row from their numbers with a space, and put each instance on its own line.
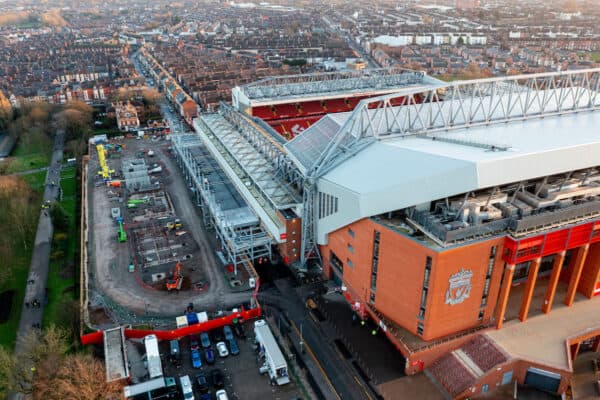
column 125, row 291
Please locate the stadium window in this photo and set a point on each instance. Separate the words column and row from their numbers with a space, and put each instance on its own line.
column 349, row 262
column 372, row 298
column 375, row 261
column 350, row 248
column 351, row 233
column 420, row 328
column 425, row 287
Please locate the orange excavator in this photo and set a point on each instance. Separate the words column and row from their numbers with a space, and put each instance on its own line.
column 175, row 278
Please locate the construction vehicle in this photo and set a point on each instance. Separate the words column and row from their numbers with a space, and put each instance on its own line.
column 132, row 203
column 122, row 235
column 175, row 278
column 174, row 225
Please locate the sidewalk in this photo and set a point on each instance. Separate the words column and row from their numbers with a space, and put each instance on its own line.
column 40, row 257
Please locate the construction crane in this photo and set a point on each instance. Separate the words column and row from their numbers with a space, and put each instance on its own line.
column 175, row 278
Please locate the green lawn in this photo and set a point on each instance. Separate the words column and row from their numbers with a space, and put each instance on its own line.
column 24, row 158
column 36, row 180
column 60, row 284
column 18, row 281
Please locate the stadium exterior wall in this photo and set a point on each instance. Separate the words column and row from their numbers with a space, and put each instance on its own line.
column 401, row 273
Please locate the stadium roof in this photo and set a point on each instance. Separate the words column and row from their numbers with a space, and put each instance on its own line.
column 288, row 88
column 391, row 172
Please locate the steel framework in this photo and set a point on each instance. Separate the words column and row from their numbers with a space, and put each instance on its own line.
column 240, row 239
column 430, row 111
column 332, row 82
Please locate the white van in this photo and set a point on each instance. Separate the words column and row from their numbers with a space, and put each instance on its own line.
column 186, row 388
column 221, row 395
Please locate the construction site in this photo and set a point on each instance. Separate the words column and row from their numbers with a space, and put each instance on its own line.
column 147, row 240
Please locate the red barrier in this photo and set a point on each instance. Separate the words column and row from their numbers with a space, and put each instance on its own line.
column 97, row 337
column 92, row 338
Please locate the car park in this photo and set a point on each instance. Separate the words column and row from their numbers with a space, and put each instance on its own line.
column 209, row 356
column 202, row 383
column 217, row 335
column 217, row 378
column 205, row 340
column 227, row 332
column 221, row 395
column 196, row 361
column 222, row 349
column 239, row 330
column 233, row 347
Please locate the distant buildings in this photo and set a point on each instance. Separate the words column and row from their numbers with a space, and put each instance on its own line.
column 127, row 116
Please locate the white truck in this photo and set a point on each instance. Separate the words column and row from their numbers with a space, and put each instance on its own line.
column 153, row 357
column 275, row 364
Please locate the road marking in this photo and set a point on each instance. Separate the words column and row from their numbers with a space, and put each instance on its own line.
column 310, row 352
column 362, row 387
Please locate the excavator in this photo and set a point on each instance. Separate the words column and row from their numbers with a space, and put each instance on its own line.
column 175, row 278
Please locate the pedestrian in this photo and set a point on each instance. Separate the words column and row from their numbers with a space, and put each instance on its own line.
column 27, row 304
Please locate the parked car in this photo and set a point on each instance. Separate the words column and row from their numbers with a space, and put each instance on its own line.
column 194, row 345
column 202, row 383
column 222, row 349
column 206, row 396
column 239, row 330
column 196, row 361
column 205, row 340
column 209, row 356
column 233, row 347
column 227, row 332
column 174, row 353
column 217, row 378
column 221, row 395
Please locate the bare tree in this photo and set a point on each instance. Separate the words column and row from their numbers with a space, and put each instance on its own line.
column 78, row 377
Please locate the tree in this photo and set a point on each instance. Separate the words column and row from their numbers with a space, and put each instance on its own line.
column 45, row 370
column 39, row 355
column 79, row 377
column 60, row 219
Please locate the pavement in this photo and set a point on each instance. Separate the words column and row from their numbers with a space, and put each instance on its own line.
column 29, row 171
column 40, row 258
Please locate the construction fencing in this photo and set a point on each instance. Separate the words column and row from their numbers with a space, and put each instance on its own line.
column 98, row 336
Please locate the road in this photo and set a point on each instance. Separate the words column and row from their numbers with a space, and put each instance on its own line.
column 330, row 364
column 40, row 257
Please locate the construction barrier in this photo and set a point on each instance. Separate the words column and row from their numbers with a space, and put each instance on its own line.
column 98, row 336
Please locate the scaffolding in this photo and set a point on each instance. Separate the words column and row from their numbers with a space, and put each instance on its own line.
column 239, row 231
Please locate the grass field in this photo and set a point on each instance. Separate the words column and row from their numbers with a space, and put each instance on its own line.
column 20, row 266
column 24, row 159
column 60, row 281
